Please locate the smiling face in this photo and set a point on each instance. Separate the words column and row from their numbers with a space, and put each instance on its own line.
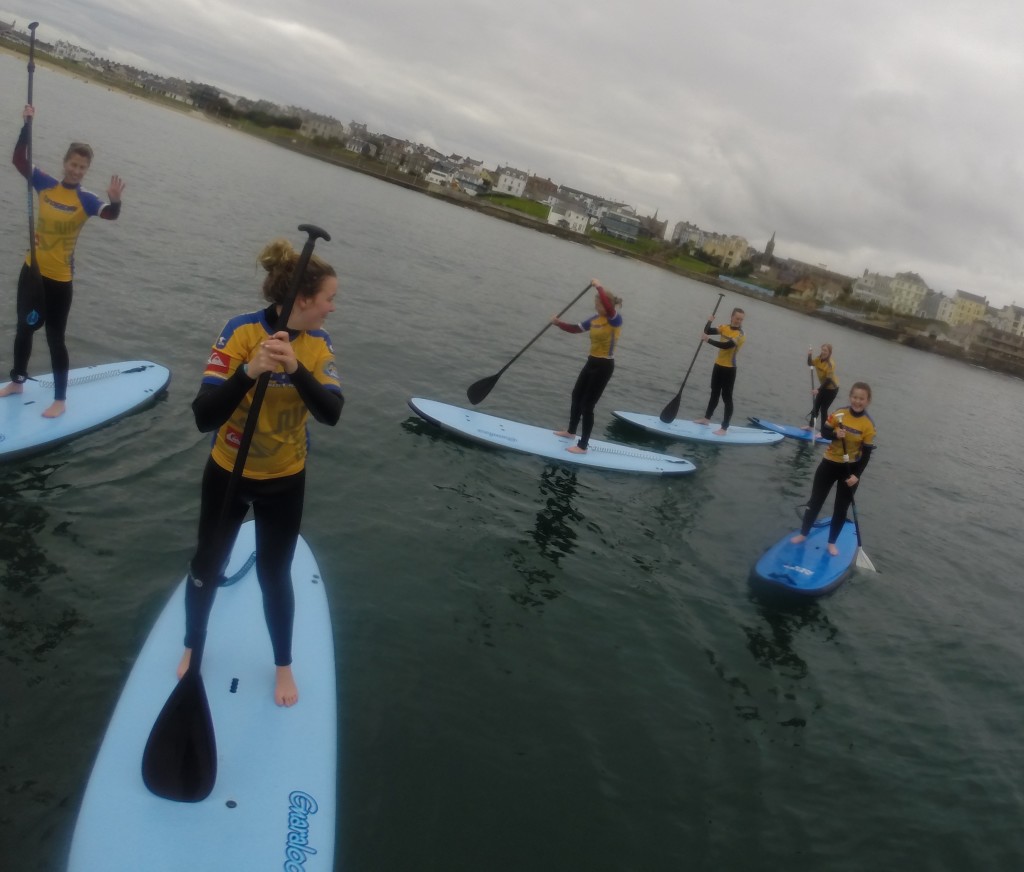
column 859, row 399
column 75, row 168
column 311, row 312
column 736, row 321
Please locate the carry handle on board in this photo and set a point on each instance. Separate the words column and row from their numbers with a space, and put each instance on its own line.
column 180, row 758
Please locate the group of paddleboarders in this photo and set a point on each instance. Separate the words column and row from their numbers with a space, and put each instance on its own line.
column 298, row 355
column 851, row 430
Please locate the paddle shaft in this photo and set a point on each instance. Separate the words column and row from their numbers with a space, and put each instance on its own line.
column 480, row 389
column 810, row 417
column 853, row 502
column 673, row 404
column 541, row 332
column 31, row 212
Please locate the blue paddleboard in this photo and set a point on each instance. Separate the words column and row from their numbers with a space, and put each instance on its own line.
column 683, row 429
column 96, row 396
column 788, row 430
column 808, row 568
column 501, row 433
column 273, row 805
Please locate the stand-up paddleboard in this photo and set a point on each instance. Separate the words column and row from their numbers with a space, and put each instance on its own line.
column 789, row 430
column 96, row 396
column 273, row 805
column 680, row 429
column 500, row 433
column 808, row 568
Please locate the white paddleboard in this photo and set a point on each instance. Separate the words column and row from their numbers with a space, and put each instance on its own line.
column 500, row 433
column 96, row 395
column 274, row 802
column 680, row 429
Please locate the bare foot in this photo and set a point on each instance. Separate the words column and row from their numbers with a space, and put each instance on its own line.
column 285, row 692
column 806, row 427
column 701, row 421
column 575, row 449
column 832, row 549
column 11, row 389
column 721, row 431
column 186, row 658
column 565, row 434
column 56, row 409
column 797, row 539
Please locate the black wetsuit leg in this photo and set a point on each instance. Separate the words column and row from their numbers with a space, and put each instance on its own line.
column 590, row 384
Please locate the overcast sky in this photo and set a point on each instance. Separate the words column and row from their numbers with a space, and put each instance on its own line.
column 871, row 135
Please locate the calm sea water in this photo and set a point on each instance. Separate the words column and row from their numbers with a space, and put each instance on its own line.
column 539, row 668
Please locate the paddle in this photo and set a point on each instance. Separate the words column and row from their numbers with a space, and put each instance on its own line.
column 477, row 391
column 810, row 417
column 863, row 561
column 31, row 307
column 180, row 758
column 668, row 414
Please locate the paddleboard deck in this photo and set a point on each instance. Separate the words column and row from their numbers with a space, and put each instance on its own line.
column 96, row 395
column 274, row 802
column 525, row 438
column 789, row 430
column 808, row 568
column 680, row 429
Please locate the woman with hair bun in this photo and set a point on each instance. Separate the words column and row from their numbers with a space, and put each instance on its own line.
column 303, row 382
column 604, row 328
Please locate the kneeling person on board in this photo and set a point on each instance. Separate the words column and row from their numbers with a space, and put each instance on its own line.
column 723, row 373
column 605, row 327
column 852, row 432
column 303, row 381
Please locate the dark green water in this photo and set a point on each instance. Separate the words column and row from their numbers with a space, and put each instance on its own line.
column 539, row 668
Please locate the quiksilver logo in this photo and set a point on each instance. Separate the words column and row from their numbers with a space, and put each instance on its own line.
column 297, row 850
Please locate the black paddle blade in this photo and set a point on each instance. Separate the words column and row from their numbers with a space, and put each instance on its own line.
column 180, row 760
column 668, row 414
column 480, row 389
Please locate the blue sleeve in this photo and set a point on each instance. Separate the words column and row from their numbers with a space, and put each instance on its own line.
column 90, row 203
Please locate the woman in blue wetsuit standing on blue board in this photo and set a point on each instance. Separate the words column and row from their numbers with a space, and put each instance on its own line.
column 604, row 328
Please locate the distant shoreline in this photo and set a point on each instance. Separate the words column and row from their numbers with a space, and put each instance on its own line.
column 358, row 164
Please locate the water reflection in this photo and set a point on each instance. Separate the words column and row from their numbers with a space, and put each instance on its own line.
column 554, row 533
column 772, row 644
column 31, row 625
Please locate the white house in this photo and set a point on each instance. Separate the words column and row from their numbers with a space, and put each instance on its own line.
column 574, row 216
column 873, row 288
column 511, row 181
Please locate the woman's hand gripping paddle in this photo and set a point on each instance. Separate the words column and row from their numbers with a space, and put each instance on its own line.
column 668, row 414
column 180, row 759
column 863, row 561
column 477, row 391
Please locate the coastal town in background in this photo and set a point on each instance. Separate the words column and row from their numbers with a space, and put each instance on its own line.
column 902, row 307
